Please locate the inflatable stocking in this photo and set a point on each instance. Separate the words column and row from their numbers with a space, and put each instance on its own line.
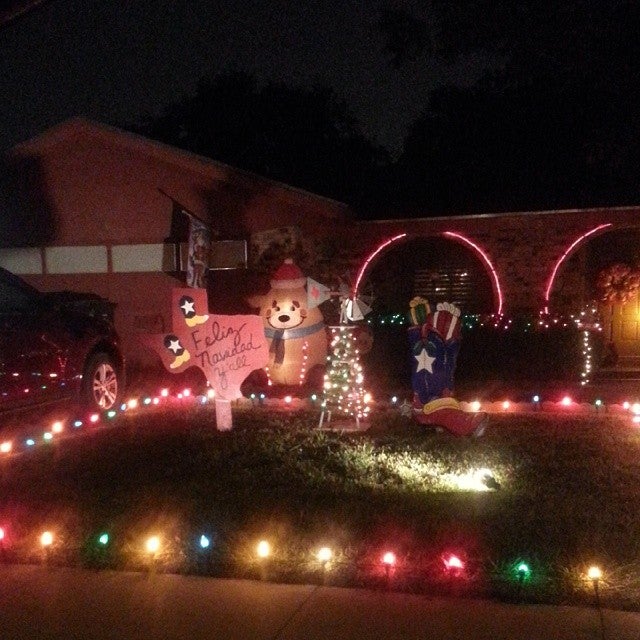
column 434, row 340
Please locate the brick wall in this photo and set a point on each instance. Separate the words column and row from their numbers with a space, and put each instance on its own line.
column 524, row 248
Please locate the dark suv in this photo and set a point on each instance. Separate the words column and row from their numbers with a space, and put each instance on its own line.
column 56, row 346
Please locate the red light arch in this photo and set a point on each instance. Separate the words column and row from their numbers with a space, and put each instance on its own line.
column 563, row 257
column 495, row 281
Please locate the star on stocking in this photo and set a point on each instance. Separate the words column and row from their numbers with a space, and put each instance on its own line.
column 425, row 361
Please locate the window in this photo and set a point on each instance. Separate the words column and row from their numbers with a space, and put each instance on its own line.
column 466, row 287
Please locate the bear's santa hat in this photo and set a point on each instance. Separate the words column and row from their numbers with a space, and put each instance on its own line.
column 288, row 276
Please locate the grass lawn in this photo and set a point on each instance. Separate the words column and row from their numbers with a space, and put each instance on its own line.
column 564, row 493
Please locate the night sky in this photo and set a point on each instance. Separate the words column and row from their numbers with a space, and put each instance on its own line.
column 118, row 60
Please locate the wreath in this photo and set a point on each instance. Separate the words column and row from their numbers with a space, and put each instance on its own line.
column 618, row 283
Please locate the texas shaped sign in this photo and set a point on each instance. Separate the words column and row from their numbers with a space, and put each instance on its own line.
column 226, row 348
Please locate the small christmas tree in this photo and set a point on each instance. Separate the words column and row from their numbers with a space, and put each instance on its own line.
column 344, row 390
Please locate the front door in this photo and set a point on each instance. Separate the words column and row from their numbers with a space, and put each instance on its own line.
column 622, row 326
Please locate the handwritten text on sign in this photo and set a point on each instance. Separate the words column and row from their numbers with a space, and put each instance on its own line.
column 226, row 348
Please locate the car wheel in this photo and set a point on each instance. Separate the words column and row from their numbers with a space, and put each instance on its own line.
column 101, row 386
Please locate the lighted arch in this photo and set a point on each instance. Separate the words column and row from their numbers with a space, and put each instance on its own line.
column 572, row 246
column 451, row 234
column 485, row 258
column 371, row 256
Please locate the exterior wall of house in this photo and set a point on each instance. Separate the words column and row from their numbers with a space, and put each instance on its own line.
column 98, row 193
column 101, row 183
column 526, row 249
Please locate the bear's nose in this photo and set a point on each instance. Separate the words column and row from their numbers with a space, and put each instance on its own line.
column 283, row 318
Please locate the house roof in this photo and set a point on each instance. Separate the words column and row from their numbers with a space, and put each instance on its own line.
column 66, row 131
column 634, row 209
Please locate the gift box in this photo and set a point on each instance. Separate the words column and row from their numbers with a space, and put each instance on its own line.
column 419, row 309
column 445, row 324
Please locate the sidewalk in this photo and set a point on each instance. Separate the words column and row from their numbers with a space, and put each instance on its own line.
column 67, row 604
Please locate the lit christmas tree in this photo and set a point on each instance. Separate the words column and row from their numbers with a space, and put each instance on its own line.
column 344, row 390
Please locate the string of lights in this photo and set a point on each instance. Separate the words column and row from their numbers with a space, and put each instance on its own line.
column 586, row 324
column 199, row 551
column 344, row 380
column 163, row 400
column 524, row 323
column 303, row 366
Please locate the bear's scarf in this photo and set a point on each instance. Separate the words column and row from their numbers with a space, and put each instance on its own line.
column 278, row 336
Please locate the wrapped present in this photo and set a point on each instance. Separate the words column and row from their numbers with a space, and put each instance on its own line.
column 445, row 321
column 419, row 309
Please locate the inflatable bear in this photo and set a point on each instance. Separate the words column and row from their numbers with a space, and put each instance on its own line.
column 296, row 333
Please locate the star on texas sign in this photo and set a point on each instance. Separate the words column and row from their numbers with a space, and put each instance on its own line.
column 226, row 348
